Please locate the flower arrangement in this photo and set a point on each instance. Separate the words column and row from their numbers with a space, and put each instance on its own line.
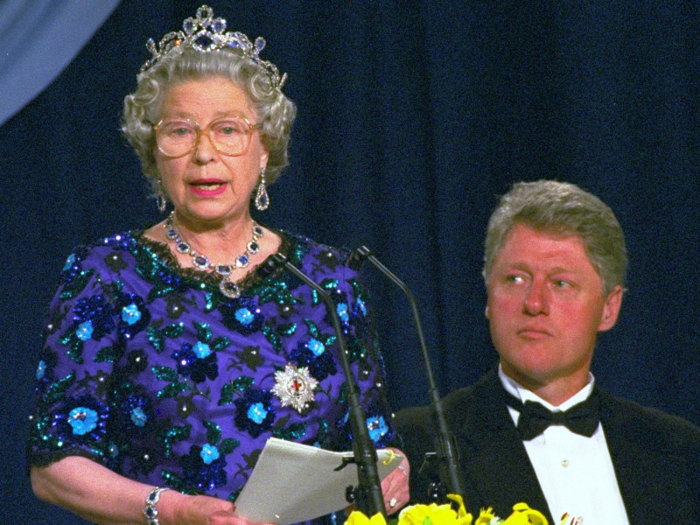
column 434, row 514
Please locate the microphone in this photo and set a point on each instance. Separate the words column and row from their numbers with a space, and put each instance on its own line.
column 447, row 456
column 369, row 498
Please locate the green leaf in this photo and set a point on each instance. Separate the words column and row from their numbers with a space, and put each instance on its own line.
column 329, row 284
column 165, row 373
column 211, row 302
column 227, row 392
column 172, row 390
column 203, row 332
column 228, row 445
column 173, row 435
column 156, row 338
column 273, row 337
column 237, row 385
column 213, row 432
column 220, row 343
column 75, row 351
column 243, row 382
column 313, row 329
column 287, row 329
column 281, row 422
column 293, row 431
column 175, row 481
column 58, row 389
column 174, row 330
column 109, row 354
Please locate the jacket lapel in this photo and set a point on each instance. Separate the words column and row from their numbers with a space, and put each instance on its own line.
column 493, row 457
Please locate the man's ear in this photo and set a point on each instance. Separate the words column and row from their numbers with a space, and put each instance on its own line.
column 611, row 309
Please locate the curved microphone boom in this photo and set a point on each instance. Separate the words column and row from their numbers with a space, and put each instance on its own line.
column 450, row 473
column 369, row 494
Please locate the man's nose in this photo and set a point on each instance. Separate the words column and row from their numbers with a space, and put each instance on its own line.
column 537, row 299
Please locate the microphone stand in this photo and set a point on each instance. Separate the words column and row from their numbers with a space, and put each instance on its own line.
column 447, row 456
column 369, row 498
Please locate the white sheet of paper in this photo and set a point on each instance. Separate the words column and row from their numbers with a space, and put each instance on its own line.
column 292, row 482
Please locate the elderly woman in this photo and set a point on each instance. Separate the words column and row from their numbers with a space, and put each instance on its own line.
column 170, row 355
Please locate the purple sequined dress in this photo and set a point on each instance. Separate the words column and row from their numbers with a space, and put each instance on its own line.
column 147, row 369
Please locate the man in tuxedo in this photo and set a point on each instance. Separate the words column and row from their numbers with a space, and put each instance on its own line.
column 537, row 429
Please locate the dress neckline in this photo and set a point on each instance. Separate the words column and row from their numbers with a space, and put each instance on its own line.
column 164, row 254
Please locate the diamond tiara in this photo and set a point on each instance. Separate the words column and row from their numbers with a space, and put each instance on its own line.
column 205, row 33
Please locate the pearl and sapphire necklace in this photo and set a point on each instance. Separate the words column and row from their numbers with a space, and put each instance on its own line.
column 228, row 287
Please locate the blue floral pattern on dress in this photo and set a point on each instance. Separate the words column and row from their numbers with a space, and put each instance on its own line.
column 94, row 318
column 254, row 411
column 81, row 420
column 312, row 354
column 243, row 316
column 149, row 370
column 190, row 364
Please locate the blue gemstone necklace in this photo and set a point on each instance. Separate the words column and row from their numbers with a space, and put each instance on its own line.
column 228, row 287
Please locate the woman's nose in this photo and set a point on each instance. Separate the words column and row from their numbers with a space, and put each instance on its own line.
column 204, row 150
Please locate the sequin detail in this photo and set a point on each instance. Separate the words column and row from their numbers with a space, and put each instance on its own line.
column 149, row 370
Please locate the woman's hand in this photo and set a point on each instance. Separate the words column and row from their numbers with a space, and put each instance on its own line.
column 177, row 509
column 395, row 486
column 101, row 496
column 197, row 510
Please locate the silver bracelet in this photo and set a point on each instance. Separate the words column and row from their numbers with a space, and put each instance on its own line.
column 150, row 510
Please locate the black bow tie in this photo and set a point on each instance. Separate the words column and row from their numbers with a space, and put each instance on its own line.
column 535, row 418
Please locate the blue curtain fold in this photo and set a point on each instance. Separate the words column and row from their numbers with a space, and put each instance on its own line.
column 39, row 39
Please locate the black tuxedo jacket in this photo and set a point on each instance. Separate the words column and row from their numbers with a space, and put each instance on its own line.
column 656, row 456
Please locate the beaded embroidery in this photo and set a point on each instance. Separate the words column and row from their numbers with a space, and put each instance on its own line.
column 149, row 370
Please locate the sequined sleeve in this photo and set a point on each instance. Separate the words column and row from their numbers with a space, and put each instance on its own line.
column 88, row 322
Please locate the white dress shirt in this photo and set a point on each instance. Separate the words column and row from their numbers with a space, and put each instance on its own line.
column 575, row 472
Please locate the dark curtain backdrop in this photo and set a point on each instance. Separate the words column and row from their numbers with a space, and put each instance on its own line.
column 413, row 116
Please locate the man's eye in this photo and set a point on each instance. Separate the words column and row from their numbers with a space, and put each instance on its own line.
column 514, row 279
column 560, row 283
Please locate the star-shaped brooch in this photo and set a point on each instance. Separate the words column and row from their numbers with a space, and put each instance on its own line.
column 295, row 387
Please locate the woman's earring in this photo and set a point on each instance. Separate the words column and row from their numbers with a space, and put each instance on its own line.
column 262, row 199
column 161, row 201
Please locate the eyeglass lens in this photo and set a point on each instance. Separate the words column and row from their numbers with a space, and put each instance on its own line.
column 177, row 137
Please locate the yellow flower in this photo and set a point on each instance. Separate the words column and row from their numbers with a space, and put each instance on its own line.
column 358, row 518
column 524, row 515
column 434, row 514
column 463, row 517
column 485, row 517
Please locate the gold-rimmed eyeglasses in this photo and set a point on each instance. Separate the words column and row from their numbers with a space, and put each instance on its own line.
column 230, row 136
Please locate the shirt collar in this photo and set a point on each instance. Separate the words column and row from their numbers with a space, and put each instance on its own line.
column 522, row 393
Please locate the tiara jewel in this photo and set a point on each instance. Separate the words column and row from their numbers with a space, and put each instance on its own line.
column 206, row 34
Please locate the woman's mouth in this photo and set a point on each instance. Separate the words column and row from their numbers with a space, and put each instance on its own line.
column 208, row 187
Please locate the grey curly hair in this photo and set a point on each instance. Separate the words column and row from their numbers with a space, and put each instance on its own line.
column 143, row 107
column 561, row 208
